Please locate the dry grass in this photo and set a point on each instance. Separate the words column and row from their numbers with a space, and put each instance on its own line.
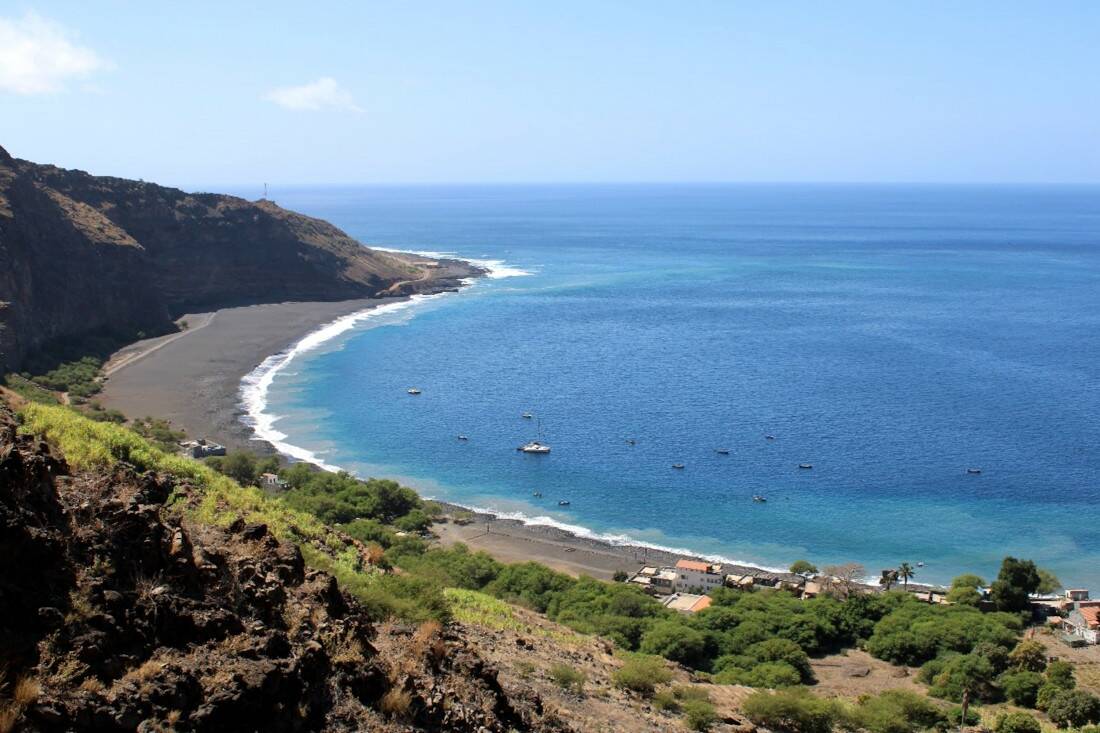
column 23, row 694
column 345, row 649
column 173, row 717
column 375, row 553
column 396, row 702
column 427, row 642
column 92, row 684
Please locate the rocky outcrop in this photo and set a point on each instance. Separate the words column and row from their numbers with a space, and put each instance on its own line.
column 84, row 255
column 118, row 614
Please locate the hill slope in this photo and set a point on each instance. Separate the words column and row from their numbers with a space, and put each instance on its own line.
column 84, row 255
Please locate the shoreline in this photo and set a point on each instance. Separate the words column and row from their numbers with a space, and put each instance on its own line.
column 199, row 379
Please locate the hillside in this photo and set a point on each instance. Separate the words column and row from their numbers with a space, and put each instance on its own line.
column 84, row 255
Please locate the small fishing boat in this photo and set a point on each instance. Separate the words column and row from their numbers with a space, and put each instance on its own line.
column 805, row 466
column 563, row 502
column 974, row 471
column 769, row 437
column 463, row 437
column 677, row 465
column 413, row 390
column 537, row 494
column 722, row 451
column 630, row 441
column 920, row 565
column 527, row 416
column 760, row 499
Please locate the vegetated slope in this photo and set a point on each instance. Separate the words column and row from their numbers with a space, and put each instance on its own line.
column 120, row 612
column 87, row 255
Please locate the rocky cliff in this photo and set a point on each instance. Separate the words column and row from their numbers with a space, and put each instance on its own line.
column 119, row 614
column 84, row 255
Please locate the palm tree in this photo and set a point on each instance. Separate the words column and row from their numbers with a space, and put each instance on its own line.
column 905, row 572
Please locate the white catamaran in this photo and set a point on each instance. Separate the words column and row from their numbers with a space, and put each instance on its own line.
column 535, row 446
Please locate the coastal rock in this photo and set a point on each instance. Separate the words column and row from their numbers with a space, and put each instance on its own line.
column 128, row 618
column 87, row 256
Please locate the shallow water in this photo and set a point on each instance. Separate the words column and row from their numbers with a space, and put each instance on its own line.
column 891, row 336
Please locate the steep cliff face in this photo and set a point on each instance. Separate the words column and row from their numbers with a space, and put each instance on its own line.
column 82, row 254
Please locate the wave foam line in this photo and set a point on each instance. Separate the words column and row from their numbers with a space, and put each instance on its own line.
column 496, row 269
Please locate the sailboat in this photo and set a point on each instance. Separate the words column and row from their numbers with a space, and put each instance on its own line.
column 535, row 446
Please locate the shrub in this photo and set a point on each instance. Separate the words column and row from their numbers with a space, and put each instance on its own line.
column 673, row 639
column 1022, row 687
column 416, row 520
column 641, row 673
column 673, row 698
column 1029, row 655
column 897, row 711
column 396, row 702
column 791, row 711
column 1017, row 723
column 620, row 576
column 699, row 715
column 1074, row 708
column 1060, row 675
column 568, row 678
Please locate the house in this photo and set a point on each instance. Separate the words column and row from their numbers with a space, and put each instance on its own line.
column 698, row 576
column 687, row 602
column 742, row 582
column 812, row 589
column 1083, row 622
column 201, row 448
column 1077, row 594
column 272, row 481
column 655, row 581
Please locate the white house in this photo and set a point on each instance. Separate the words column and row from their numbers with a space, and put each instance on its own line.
column 1084, row 621
column 656, row 581
column 698, row 576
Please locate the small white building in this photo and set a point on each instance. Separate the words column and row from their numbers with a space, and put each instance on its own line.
column 1077, row 594
column 272, row 481
column 1083, row 621
column 656, row 581
column 687, row 602
column 698, row 576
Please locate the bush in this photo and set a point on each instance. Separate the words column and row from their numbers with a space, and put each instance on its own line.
column 415, row 521
column 673, row 639
column 699, row 715
column 641, row 673
column 568, row 678
column 916, row 632
column 791, row 711
column 1017, row 723
column 1022, row 687
column 673, row 698
column 1029, row 655
column 1060, row 675
column 1073, row 708
column 897, row 711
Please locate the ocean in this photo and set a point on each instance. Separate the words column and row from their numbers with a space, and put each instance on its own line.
column 891, row 336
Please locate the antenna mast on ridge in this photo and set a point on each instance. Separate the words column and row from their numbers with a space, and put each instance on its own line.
column 265, row 190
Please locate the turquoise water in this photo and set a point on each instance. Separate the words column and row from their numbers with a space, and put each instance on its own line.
column 891, row 336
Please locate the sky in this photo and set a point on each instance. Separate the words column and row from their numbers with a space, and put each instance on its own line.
column 200, row 94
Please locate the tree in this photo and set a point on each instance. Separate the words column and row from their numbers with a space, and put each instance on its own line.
column 965, row 677
column 1022, row 687
column 1029, row 655
column 1048, row 582
column 1016, row 581
column 1074, row 708
column 803, row 567
column 841, row 579
column 240, row 466
column 791, row 711
column 1060, row 674
column 905, row 572
column 674, row 640
column 621, row 576
column 888, row 579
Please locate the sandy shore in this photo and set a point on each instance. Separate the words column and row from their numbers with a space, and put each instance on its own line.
column 193, row 377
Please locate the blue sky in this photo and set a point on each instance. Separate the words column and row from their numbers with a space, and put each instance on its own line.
column 202, row 94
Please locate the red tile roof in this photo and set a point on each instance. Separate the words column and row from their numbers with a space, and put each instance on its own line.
column 696, row 565
column 700, row 604
column 1092, row 616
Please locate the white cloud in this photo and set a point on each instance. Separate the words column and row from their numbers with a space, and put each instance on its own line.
column 38, row 56
column 325, row 92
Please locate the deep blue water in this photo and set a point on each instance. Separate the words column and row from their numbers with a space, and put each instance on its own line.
column 892, row 336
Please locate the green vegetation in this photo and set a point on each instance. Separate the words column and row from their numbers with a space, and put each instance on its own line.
column 896, row 711
column 1017, row 722
column 803, row 567
column 1016, row 580
column 568, row 678
column 792, row 711
column 159, row 433
column 1073, row 708
column 641, row 673
column 243, row 467
column 22, row 385
column 80, row 378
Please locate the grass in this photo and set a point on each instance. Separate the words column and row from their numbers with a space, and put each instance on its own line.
column 480, row 609
column 641, row 673
column 29, row 390
column 568, row 678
